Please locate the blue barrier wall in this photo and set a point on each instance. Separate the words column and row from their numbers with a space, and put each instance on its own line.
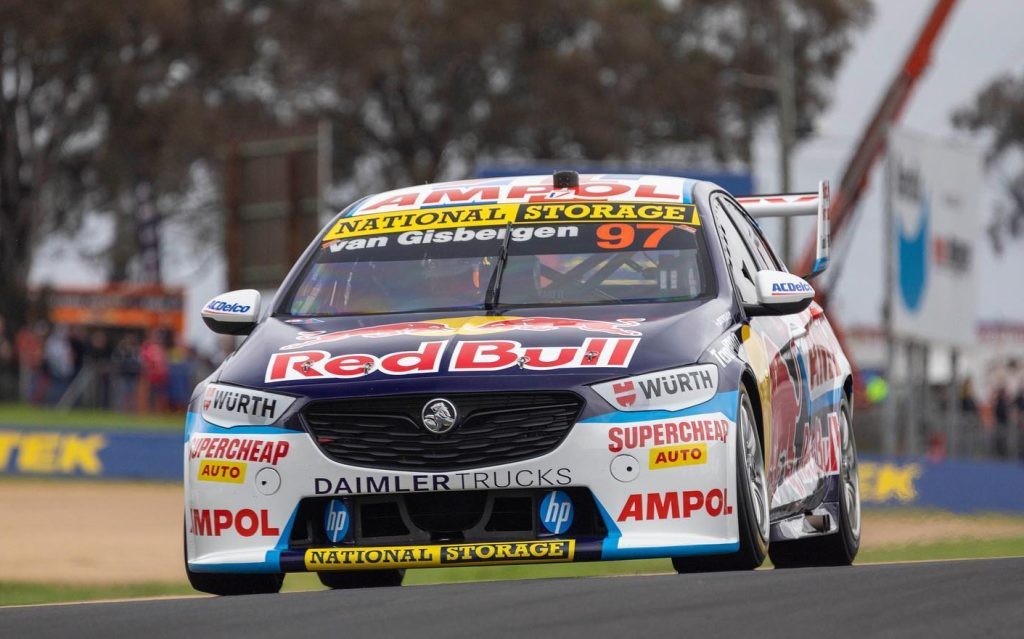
column 91, row 453
column 957, row 486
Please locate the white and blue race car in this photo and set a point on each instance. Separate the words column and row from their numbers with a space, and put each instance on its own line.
column 535, row 369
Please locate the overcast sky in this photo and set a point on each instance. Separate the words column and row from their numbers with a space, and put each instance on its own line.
column 983, row 39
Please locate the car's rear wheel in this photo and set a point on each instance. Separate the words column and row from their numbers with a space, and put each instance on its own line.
column 219, row 583
column 839, row 548
column 752, row 502
column 360, row 579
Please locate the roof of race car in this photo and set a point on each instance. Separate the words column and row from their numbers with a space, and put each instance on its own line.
column 530, row 188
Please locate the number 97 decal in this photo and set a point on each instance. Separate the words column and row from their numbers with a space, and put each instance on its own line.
column 618, row 236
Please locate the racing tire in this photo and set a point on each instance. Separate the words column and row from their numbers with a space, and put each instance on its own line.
column 230, row 584
column 752, row 502
column 839, row 548
column 360, row 579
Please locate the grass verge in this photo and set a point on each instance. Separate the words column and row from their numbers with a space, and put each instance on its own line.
column 19, row 593
column 29, row 416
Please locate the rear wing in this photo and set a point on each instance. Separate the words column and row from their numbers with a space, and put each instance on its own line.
column 797, row 204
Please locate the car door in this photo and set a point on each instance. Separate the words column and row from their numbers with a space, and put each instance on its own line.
column 782, row 342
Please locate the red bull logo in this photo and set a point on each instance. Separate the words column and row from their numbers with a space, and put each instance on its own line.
column 555, row 323
column 309, row 338
column 472, row 325
column 469, row 356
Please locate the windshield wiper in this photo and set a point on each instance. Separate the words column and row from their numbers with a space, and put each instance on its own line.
column 494, row 285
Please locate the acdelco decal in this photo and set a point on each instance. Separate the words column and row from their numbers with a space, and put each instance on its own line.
column 469, row 356
column 684, row 455
column 667, row 433
column 442, row 555
column 223, row 471
column 221, row 306
column 673, row 389
column 246, row 522
column 238, row 449
column 676, row 505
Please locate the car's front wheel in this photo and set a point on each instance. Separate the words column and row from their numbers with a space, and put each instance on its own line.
column 360, row 579
column 752, row 502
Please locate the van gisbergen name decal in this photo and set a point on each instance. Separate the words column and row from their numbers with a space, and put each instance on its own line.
column 499, row 215
column 469, row 356
column 487, row 554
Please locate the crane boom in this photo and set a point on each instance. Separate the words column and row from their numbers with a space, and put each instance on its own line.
column 873, row 140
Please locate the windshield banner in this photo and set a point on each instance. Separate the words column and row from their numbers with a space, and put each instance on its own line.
column 503, row 214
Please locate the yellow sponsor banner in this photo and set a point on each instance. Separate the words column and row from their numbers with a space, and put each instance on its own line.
column 882, row 482
column 681, row 455
column 480, row 554
column 502, row 214
column 230, row 472
column 422, row 220
column 51, row 453
column 608, row 212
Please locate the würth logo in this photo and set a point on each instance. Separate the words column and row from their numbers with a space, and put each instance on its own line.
column 625, row 393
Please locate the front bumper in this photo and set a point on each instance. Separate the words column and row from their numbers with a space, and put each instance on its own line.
column 643, row 484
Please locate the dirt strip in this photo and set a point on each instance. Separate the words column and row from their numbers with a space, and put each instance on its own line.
column 90, row 532
column 119, row 532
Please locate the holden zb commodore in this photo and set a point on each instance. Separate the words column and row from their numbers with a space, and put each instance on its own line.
column 538, row 369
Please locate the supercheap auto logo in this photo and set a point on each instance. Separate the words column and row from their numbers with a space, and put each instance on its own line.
column 222, row 471
column 487, row 554
column 503, row 214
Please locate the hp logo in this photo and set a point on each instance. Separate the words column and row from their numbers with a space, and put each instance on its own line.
column 556, row 512
column 336, row 520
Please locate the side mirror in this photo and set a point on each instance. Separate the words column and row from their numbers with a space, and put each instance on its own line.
column 234, row 313
column 780, row 293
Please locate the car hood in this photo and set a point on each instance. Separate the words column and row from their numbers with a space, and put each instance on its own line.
column 426, row 352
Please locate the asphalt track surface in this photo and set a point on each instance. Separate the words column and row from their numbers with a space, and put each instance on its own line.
column 977, row 598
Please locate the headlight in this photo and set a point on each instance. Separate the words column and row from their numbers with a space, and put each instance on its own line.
column 672, row 389
column 229, row 406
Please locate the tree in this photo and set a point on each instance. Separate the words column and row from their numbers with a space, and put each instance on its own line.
column 98, row 98
column 998, row 111
column 106, row 104
column 421, row 90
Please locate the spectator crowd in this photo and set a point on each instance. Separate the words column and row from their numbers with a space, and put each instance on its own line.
column 117, row 369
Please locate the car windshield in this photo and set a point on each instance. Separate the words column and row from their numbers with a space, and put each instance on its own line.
column 557, row 254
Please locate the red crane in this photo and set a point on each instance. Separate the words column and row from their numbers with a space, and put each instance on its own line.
column 873, row 141
column 873, row 144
